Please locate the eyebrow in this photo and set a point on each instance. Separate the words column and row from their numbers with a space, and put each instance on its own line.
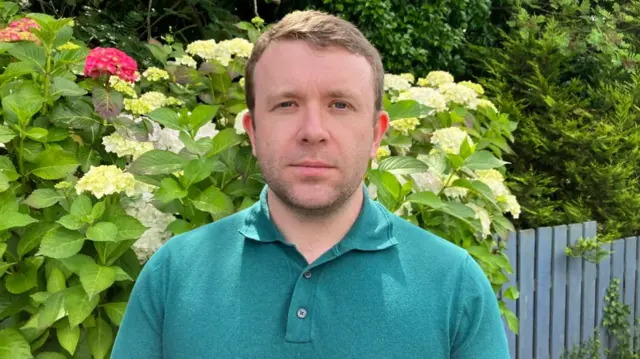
column 289, row 93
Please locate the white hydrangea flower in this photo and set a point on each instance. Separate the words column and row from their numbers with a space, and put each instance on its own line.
column 383, row 151
column 165, row 139
column 482, row 215
column 511, row 205
column 238, row 126
column 156, row 221
column 395, row 82
column 106, row 180
column 206, row 49
column 408, row 76
column 453, row 191
column 449, row 139
column 209, row 130
column 495, row 180
column 428, row 181
column 459, row 94
column 236, row 46
column 436, row 79
column 483, row 103
column 429, row 97
column 186, row 60
column 404, row 210
column 121, row 146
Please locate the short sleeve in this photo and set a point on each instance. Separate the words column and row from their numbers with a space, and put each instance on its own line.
column 140, row 333
column 480, row 330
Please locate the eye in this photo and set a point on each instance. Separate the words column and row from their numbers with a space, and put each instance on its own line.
column 286, row 104
column 341, row 105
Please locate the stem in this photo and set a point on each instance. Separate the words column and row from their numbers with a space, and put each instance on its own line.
column 446, row 183
column 149, row 20
column 21, row 162
column 47, row 80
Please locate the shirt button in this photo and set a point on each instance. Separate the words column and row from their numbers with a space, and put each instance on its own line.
column 307, row 274
column 302, row 313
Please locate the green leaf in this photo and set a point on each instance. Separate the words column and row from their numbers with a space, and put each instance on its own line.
column 224, row 140
column 56, row 134
column 157, row 162
column 15, row 219
column 70, row 221
column 400, row 165
column 191, row 145
column 7, row 167
column 483, row 160
column 107, row 103
column 21, row 107
column 61, row 243
column 169, row 190
column 54, row 163
column 109, row 252
column 68, row 336
column 37, row 134
column 50, row 355
column 407, row 109
column 201, row 115
column 98, row 210
column 166, row 117
column 512, row 293
column 43, row 197
column 196, row 170
column 77, row 262
column 56, row 281
column 215, row 202
column 128, row 227
column 4, row 266
column 30, row 53
column 100, row 339
column 13, row 345
column 17, row 283
column 96, row 278
column 17, row 69
column 426, row 198
column 81, row 207
column 115, row 311
column 388, row 187
column 179, row 226
column 32, row 237
column 103, row 232
column 79, row 305
column 61, row 86
column 74, row 113
column 52, row 310
column 6, row 134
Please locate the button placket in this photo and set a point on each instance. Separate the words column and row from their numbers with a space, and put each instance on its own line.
column 301, row 309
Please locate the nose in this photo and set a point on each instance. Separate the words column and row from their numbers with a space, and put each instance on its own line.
column 313, row 129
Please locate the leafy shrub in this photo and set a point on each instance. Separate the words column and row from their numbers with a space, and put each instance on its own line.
column 568, row 74
column 417, row 36
column 104, row 162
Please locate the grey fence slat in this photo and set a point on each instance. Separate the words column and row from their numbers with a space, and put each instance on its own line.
column 589, row 289
column 558, row 304
column 526, row 245
column 617, row 269
column 512, row 246
column 630, row 277
column 574, row 295
column 604, row 278
column 544, row 242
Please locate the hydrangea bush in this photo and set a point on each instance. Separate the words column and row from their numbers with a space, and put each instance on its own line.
column 102, row 162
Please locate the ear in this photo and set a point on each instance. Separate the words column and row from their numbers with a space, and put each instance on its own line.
column 382, row 124
column 248, row 127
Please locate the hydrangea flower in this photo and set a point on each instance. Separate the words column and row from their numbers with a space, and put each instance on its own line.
column 450, row 139
column 19, row 30
column 237, row 125
column 480, row 103
column 186, row 60
column 110, row 61
column 405, row 125
column 436, row 79
column 482, row 215
column 148, row 102
column 395, row 82
column 155, row 74
column 156, row 222
column 477, row 88
column 165, row 139
column 121, row 146
column 106, row 180
column 459, row 94
column 68, row 46
column 428, row 181
column 495, row 180
column 205, row 49
column 122, row 86
column 429, row 97
column 409, row 77
column 454, row 191
column 207, row 131
column 383, row 151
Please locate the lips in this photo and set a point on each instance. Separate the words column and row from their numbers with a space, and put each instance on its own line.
column 312, row 168
column 313, row 164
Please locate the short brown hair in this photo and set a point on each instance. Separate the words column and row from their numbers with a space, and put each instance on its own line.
column 322, row 30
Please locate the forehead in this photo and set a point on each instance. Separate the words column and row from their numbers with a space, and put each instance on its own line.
column 298, row 66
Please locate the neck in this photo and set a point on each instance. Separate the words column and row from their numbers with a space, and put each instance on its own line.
column 314, row 234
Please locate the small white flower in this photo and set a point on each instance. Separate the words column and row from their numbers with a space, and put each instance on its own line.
column 238, row 126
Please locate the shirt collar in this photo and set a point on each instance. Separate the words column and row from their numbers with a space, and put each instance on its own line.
column 371, row 231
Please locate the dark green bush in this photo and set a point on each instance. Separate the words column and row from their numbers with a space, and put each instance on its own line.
column 568, row 74
column 416, row 36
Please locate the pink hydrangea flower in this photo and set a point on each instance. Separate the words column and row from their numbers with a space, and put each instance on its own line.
column 110, row 61
column 18, row 30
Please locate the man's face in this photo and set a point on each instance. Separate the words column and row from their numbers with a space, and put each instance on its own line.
column 315, row 123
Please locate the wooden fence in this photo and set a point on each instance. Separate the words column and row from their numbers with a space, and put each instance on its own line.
column 562, row 298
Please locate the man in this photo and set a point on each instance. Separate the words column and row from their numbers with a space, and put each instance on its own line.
column 315, row 269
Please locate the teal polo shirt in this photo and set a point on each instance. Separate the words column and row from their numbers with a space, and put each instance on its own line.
column 236, row 289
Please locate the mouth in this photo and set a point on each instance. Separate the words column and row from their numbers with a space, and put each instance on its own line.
column 312, row 168
column 313, row 164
